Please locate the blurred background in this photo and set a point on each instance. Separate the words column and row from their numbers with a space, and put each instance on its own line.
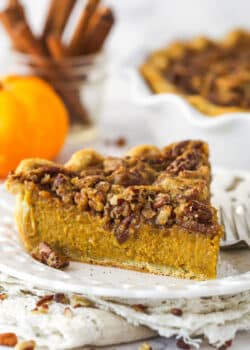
column 141, row 26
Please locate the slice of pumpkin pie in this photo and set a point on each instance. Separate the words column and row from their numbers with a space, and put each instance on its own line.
column 148, row 211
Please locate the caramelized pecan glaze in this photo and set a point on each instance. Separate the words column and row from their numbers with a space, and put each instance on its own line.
column 218, row 72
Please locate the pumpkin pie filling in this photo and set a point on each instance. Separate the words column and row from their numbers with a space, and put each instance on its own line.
column 214, row 76
column 149, row 211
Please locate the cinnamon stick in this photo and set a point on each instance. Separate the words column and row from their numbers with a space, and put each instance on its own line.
column 57, row 17
column 56, row 47
column 23, row 37
column 99, row 29
column 75, row 45
column 9, row 18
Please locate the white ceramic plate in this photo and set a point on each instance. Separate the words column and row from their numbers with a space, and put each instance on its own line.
column 171, row 118
column 233, row 270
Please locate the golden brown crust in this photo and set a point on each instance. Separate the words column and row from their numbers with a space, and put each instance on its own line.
column 159, row 61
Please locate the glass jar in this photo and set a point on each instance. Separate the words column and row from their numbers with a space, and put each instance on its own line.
column 79, row 81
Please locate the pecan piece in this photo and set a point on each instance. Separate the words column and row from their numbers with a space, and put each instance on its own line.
column 189, row 161
column 3, row 296
column 61, row 298
column 26, row 345
column 163, row 215
column 198, row 211
column 140, row 308
column 8, row 339
column 45, row 300
column 48, row 256
column 176, row 312
column 182, row 345
column 160, row 200
column 148, row 212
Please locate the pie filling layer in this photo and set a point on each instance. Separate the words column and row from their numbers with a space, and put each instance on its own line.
column 148, row 211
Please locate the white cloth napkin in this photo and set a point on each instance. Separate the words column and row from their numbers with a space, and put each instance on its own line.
column 112, row 321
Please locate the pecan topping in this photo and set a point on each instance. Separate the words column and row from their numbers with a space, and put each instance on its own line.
column 219, row 73
column 176, row 312
column 8, row 339
column 156, row 188
column 161, row 199
column 45, row 300
column 163, row 215
column 197, row 216
column 61, row 298
column 140, row 308
column 46, row 255
column 198, row 211
column 189, row 161
column 3, row 296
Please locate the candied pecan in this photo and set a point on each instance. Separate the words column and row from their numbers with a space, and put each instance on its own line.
column 61, row 298
column 163, row 215
column 122, row 232
column 96, row 200
column 3, row 296
column 111, row 164
column 81, row 199
column 140, row 307
column 26, row 345
column 103, row 186
column 176, row 311
column 179, row 148
column 45, row 300
column 161, row 199
column 198, row 211
column 182, row 345
column 148, row 212
column 189, row 161
column 46, row 255
column 196, row 216
column 8, row 339
column 126, row 177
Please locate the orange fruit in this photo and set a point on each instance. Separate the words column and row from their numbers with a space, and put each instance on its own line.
column 33, row 121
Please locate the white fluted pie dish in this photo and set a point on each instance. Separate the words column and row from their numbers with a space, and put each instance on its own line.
column 171, row 118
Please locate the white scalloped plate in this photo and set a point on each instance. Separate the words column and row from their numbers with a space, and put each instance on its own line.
column 233, row 270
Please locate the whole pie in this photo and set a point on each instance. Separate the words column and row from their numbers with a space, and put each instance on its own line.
column 148, row 211
column 214, row 76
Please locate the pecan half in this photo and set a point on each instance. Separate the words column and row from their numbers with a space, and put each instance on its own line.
column 48, row 256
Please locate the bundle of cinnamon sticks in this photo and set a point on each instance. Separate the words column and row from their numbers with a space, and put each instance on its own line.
column 48, row 51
